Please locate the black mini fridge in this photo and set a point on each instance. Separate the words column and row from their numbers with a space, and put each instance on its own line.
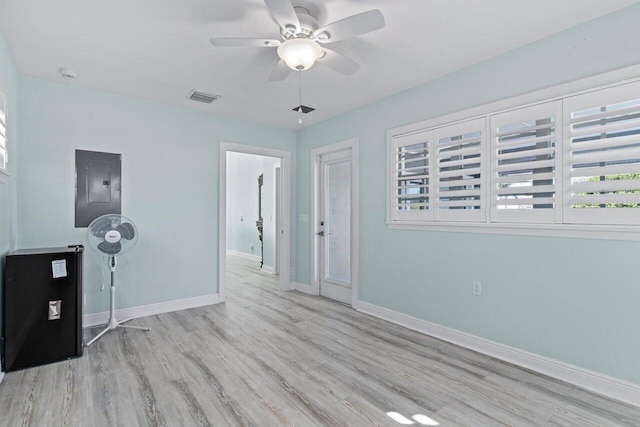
column 42, row 306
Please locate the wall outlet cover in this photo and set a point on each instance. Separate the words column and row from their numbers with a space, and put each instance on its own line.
column 476, row 287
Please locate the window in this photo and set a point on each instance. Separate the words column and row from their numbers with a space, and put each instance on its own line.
column 412, row 172
column 603, row 157
column 524, row 164
column 459, row 171
column 3, row 137
column 566, row 164
column 437, row 173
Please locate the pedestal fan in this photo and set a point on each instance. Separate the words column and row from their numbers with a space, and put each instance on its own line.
column 111, row 235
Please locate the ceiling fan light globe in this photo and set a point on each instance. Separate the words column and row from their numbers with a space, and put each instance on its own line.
column 299, row 54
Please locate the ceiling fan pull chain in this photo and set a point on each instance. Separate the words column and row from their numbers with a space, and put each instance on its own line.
column 300, row 99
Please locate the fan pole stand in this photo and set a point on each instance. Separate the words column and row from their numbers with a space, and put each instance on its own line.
column 113, row 323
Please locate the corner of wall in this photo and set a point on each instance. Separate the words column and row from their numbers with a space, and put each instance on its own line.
column 9, row 78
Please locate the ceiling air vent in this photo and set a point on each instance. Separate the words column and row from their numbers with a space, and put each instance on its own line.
column 198, row 96
column 68, row 73
column 304, row 109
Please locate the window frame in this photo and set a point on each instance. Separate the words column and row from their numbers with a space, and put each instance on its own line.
column 555, row 228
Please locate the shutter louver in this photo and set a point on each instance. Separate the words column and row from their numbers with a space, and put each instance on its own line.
column 459, row 188
column 603, row 157
column 524, row 164
column 412, row 176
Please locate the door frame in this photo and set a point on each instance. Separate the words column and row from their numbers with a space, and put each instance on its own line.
column 285, row 220
column 277, row 203
column 316, row 153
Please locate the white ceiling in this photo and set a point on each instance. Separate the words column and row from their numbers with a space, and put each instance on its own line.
column 159, row 50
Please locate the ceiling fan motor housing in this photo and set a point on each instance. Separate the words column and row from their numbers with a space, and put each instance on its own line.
column 308, row 24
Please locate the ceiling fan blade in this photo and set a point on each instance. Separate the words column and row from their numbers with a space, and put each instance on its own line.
column 240, row 42
column 284, row 14
column 351, row 26
column 339, row 62
column 280, row 71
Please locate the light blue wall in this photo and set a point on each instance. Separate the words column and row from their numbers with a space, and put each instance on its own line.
column 242, row 202
column 170, row 167
column 8, row 200
column 574, row 300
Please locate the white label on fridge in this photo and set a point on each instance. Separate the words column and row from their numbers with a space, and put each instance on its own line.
column 59, row 268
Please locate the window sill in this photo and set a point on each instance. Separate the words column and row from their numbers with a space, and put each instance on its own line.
column 608, row 232
column 4, row 176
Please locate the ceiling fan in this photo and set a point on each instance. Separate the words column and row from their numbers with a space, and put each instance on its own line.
column 303, row 40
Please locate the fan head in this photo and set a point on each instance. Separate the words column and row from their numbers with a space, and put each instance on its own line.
column 112, row 234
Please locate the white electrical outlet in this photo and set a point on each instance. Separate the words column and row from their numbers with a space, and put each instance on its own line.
column 292, row 271
column 477, row 287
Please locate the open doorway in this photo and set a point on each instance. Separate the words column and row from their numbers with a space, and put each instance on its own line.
column 254, row 212
column 252, row 209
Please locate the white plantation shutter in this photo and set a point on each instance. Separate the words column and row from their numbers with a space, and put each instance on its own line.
column 568, row 166
column 524, row 163
column 458, row 186
column 3, row 133
column 602, row 156
column 411, row 177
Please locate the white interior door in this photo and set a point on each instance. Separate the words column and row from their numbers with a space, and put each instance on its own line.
column 335, row 226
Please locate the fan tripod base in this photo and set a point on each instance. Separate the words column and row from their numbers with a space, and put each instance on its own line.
column 113, row 324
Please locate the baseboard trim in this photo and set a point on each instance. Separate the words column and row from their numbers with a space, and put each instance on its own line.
column 302, row 287
column 267, row 269
column 599, row 383
column 243, row 255
column 1, row 377
column 150, row 309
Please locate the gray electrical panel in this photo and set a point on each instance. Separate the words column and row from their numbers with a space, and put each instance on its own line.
column 98, row 185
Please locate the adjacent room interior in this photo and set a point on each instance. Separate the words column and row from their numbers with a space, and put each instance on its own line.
column 394, row 213
column 253, row 207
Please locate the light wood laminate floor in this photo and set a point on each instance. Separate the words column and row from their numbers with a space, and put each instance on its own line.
column 270, row 358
